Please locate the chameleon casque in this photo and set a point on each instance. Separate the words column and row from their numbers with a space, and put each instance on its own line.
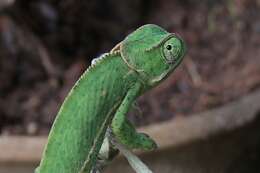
column 104, row 94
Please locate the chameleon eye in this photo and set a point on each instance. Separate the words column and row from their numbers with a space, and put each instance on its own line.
column 169, row 47
column 168, row 53
column 172, row 50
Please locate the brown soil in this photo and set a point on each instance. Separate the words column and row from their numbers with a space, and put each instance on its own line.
column 46, row 45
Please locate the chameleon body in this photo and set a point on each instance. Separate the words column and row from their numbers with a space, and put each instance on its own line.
column 104, row 94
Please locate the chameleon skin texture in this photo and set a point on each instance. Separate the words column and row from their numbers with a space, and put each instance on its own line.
column 84, row 116
column 102, row 97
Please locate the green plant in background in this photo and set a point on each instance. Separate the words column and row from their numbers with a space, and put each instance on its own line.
column 100, row 100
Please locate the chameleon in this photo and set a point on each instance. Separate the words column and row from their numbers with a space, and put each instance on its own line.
column 104, row 94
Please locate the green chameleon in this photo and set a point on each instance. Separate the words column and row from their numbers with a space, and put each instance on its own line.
column 104, row 94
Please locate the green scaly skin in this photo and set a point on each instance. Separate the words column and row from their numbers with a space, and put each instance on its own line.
column 103, row 96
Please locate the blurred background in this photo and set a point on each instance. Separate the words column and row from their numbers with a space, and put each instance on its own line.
column 45, row 45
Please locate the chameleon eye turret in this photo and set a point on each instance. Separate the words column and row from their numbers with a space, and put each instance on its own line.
column 173, row 50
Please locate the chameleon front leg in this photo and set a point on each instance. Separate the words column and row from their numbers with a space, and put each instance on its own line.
column 124, row 131
column 106, row 153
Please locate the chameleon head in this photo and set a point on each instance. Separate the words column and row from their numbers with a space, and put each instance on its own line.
column 153, row 53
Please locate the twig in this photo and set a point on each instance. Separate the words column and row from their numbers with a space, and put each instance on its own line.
column 193, row 72
column 133, row 160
